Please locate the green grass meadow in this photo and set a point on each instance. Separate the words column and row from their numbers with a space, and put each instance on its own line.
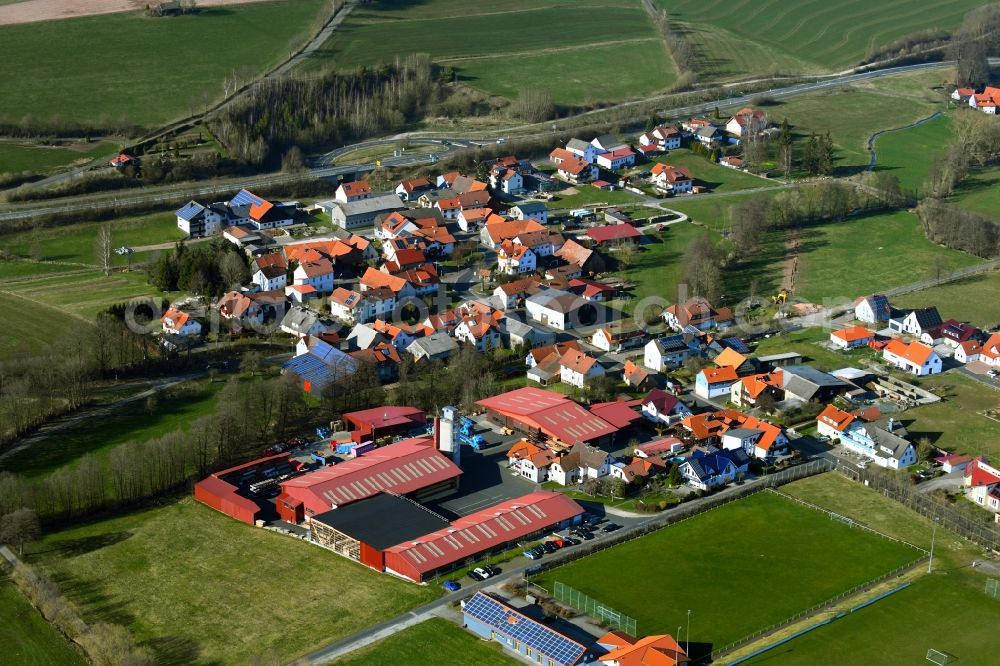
column 973, row 300
column 76, row 244
column 728, row 561
column 909, row 153
column 16, row 157
column 200, row 588
column 143, row 70
column 980, row 193
column 563, row 48
column 452, row 645
column 821, row 34
column 27, row 639
column 844, row 260
column 810, row 343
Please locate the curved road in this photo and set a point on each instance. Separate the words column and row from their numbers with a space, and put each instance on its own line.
column 323, row 168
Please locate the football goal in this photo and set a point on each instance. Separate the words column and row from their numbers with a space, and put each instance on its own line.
column 937, row 657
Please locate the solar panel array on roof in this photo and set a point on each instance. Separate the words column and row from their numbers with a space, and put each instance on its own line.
column 509, row 622
column 247, row 197
column 191, row 209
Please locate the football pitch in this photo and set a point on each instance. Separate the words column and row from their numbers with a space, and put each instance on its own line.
column 739, row 569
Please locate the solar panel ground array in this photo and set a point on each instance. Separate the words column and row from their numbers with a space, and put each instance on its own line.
column 763, row 553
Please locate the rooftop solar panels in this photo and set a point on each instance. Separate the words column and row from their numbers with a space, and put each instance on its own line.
column 507, row 621
column 245, row 197
column 191, row 209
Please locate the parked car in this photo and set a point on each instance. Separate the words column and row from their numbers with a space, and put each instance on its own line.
column 611, row 527
column 491, row 571
column 557, row 542
column 477, row 574
column 550, row 547
column 533, row 553
column 452, row 586
column 569, row 541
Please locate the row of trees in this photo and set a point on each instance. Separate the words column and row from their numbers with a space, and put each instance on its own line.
column 960, row 229
column 973, row 42
column 105, row 644
column 251, row 413
column 278, row 113
column 682, row 52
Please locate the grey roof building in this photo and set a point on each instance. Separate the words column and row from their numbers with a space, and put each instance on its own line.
column 362, row 213
column 805, row 383
column 435, row 347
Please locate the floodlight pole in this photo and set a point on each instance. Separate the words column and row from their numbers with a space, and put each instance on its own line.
column 930, row 560
column 687, row 639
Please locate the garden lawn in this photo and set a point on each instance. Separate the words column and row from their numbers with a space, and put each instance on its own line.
column 201, row 588
column 909, row 153
column 437, row 641
column 973, row 300
column 829, row 35
column 948, row 612
column 980, row 193
column 76, row 243
column 142, row 70
column 711, row 175
column 955, row 423
column 808, row 342
column 575, row 76
column 587, row 195
column 18, row 157
column 27, row 639
column 729, row 560
column 657, row 269
column 174, row 409
column 862, row 255
column 30, row 327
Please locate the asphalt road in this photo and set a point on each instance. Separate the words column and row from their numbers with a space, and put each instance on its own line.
column 323, row 169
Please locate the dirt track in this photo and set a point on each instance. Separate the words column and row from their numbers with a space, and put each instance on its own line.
column 31, row 11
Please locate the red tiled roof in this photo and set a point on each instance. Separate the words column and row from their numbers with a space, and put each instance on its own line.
column 853, row 334
column 913, row 352
column 837, row 419
column 401, row 468
column 613, row 232
column 496, row 525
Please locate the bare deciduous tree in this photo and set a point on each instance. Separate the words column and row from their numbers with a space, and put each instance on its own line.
column 19, row 528
column 104, row 248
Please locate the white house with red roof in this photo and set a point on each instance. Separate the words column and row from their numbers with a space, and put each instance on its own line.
column 179, row 323
column 915, row 358
column 747, row 121
column 353, row 191
column 851, row 337
column 983, row 483
column 833, row 422
column 963, row 94
column 661, row 407
column 412, row 188
column 514, row 259
column 986, row 101
column 732, row 429
column 578, row 369
column 672, row 179
column 616, row 159
column 662, row 138
column 572, row 168
column 989, row 353
column 318, row 274
column 530, row 460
